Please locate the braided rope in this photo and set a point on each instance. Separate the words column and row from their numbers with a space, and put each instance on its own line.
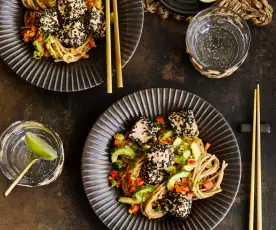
column 257, row 11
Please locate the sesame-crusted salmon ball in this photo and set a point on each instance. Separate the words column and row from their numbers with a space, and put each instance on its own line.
column 72, row 9
column 143, row 131
column 177, row 204
column 152, row 175
column 73, row 34
column 96, row 23
column 161, row 156
column 183, row 123
column 48, row 20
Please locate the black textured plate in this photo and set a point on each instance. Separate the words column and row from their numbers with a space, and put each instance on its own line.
column 45, row 73
column 96, row 164
column 185, row 7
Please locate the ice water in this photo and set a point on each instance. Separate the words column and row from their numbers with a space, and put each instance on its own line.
column 217, row 48
column 15, row 154
column 218, row 39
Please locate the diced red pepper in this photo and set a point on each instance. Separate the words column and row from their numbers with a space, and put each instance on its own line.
column 179, row 189
column 130, row 182
column 89, row 4
column 184, row 180
column 132, row 189
column 28, row 22
column 208, row 184
column 207, row 146
column 91, row 43
column 33, row 28
column 140, row 182
column 191, row 162
column 46, row 53
column 160, row 119
column 134, row 209
column 119, row 182
column 168, row 140
column 117, row 143
column 114, row 174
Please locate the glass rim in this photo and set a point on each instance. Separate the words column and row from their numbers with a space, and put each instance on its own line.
column 59, row 167
column 242, row 58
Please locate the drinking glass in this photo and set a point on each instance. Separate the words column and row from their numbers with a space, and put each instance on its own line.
column 218, row 40
column 15, row 155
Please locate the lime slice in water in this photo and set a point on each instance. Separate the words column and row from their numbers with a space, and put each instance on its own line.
column 39, row 147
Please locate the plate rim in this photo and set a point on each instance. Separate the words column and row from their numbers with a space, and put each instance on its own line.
column 175, row 89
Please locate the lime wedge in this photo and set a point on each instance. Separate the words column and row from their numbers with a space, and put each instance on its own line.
column 207, row 1
column 39, row 147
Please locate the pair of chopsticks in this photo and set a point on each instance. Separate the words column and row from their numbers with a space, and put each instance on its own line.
column 117, row 46
column 256, row 133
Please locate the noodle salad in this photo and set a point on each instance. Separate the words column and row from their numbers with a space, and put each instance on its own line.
column 64, row 30
column 163, row 166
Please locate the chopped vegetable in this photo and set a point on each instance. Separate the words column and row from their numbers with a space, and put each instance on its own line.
column 113, row 183
column 207, row 146
column 134, row 209
column 179, row 159
column 140, row 182
column 118, row 164
column 187, row 153
column 132, row 189
column 184, row 180
column 208, row 184
column 113, row 174
column 119, row 182
column 159, row 209
column 196, row 150
column 135, row 146
column 119, row 136
column 191, row 162
column 130, row 182
column 160, row 119
column 117, row 143
column 179, row 189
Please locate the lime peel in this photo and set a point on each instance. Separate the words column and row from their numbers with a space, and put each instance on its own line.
column 39, row 147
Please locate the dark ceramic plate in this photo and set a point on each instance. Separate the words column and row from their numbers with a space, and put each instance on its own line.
column 81, row 75
column 96, row 164
column 185, row 7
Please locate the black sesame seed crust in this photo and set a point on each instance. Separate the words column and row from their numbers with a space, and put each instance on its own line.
column 148, row 129
column 71, row 9
column 48, row 20
column 152, row 175
column 183, row 123
column 177, row 205
column 161, row 156
column 73, row 34
column 96, row 23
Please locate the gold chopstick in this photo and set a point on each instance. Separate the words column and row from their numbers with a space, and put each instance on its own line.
column 259, row 168
column 108, row 48
column 252, row 187
column 117, row 46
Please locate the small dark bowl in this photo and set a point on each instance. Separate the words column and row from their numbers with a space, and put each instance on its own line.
column 185, row 7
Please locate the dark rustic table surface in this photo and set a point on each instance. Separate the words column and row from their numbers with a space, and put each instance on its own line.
column 160, row 61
